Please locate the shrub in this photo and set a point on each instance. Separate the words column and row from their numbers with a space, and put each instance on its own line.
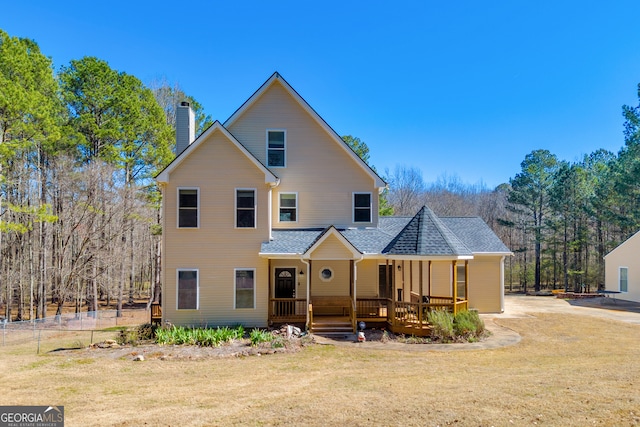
column 146, row 332
column 442, row 323
column 127, row 336
column 258, row 336
column 468, row 324
column 205, row 337
column 464, row 325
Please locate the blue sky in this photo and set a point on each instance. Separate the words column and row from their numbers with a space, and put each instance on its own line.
column 460, row 89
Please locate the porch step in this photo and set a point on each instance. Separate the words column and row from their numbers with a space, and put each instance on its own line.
column 332, row 326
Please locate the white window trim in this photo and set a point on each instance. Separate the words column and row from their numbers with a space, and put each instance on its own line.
column 322, row 277
column 255, row 279
column 279, row 207
column 353, row 207
column 266, row 137
column 619, row 277
column 178, row 270
column 178, row 207
column 255, row 208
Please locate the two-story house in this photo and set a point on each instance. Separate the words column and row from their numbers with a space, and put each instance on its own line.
column 270, row 217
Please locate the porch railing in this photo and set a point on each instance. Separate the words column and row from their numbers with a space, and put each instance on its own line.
column 372, row 308
column 288, row 309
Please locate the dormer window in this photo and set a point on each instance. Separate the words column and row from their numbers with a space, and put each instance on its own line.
column 276, row 148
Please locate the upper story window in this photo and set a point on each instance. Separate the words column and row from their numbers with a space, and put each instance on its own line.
column 361, row 207
column 288, row 207
column 188, row 208
column 276, row 148
column 245, row 208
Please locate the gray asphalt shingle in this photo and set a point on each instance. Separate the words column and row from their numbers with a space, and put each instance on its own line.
column 423, row 235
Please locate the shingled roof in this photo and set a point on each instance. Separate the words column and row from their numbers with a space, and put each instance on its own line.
column 425, row 235
column 476, row 235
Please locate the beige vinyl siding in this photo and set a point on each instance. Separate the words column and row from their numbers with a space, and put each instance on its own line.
column 441, row 278
column 484, row 284
column 331, row 248
column 217, row 167
column 625, row 255
column 318, row 169
column 367, row 280
column 339, row 283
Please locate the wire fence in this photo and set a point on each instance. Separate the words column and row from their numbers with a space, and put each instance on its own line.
column 89, row 326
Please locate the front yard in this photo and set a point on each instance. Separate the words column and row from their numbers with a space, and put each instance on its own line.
column 566, row 370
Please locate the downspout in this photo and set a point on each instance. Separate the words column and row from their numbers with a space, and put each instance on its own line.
column 270, row 206
column 270, row 213
column 502, row 284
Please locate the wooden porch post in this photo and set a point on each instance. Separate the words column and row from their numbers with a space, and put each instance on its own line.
column 429, row 279
column 410, row 276
column 466, row 282
column 454, row 265
column 395, row 284
column 351, row 293
column 420, row 281
column 310, row 278
column 404, row 292
column 389, row 290
column 420, row 311
column 270, row 308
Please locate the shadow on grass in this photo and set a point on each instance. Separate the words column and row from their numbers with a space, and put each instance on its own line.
column 607, row 303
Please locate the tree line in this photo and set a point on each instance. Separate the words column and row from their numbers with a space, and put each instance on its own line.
column 559, row 218
column 79, row 211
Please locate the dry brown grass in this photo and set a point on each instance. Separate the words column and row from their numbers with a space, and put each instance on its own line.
column 567, row 370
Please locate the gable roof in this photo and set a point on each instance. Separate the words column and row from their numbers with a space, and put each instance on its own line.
column 328, row 232
column 426, row 234
column 630, row 241
column 276, row 78
column 163, row 176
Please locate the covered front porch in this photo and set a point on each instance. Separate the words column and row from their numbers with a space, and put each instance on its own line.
column 335, row 295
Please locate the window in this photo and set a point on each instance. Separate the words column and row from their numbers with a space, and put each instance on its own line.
column 245, row 288
column 326, row 274
column 188, row 289
column 188, row 208
column 361, row 207
column 245, row 208
column 460, row 276
column 624, row 279
column 288, row 207
column 276, row 147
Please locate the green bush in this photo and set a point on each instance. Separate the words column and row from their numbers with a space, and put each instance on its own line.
column 442, row 323
column 468, row 324
column 464, row 325
column 258, row 336
column 205, row 337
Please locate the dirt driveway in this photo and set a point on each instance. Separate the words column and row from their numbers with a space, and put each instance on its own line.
column 608, row 308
